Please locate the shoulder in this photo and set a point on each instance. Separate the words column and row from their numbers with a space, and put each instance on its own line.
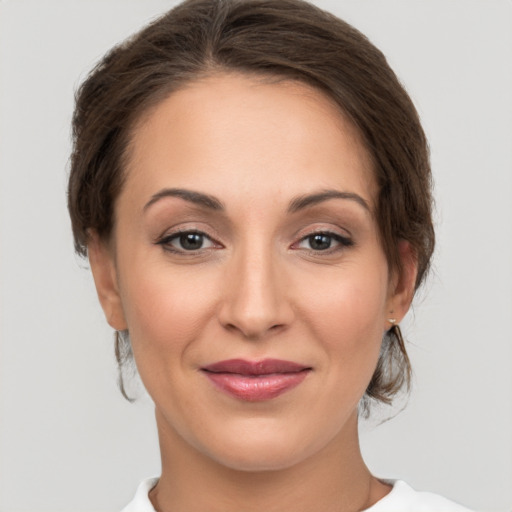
column 141, row 501
column 403, row 498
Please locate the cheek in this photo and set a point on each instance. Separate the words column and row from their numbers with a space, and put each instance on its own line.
column 165, row 310
column 348, row 312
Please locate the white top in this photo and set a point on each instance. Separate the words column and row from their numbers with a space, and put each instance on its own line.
column 402, row 498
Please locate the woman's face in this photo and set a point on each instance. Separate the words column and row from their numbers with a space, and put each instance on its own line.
column 247, row 267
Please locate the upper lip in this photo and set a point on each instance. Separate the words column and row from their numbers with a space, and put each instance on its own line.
column 263, row 367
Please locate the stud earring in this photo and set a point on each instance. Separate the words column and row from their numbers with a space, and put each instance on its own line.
column 392, row 321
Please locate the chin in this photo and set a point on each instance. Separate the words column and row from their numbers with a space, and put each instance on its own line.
column 256, row 450
column 263, row 458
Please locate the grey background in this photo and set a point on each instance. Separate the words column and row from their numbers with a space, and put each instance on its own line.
column 69, row 442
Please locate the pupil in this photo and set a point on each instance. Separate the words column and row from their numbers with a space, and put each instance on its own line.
column 191, row 241
column 319, row 242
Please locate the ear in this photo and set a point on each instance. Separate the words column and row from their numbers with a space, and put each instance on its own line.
column 403, row 284
column 103, row 270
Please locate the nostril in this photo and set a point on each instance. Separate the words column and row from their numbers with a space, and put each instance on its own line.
column 231, row 327
column 252, row 333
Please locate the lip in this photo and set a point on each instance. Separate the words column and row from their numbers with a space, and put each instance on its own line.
column 255, row 381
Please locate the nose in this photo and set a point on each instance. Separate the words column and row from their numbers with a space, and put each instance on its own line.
column 255, row 301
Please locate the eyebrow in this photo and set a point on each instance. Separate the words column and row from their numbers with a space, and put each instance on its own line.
column 304, row 201
column 205, row 200
column 299, row 203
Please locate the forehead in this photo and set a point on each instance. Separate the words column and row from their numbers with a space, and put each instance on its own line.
column 250, row 134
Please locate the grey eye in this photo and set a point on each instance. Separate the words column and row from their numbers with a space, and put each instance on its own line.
column 190, row 241
column 324, row 241
column 187, row 241
column 319, row 241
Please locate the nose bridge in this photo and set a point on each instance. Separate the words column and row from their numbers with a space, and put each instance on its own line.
column 255, row 303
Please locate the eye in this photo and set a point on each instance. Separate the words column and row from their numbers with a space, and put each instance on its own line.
column 186, row 241
column 324, row 241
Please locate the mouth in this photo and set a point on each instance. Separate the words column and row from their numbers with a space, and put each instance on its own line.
column 256, row 381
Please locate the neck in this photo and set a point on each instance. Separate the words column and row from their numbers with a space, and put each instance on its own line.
column 333, row 480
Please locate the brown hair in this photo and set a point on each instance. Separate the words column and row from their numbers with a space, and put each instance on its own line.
column 288, row 39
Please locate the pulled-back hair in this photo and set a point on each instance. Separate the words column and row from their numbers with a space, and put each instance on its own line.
column 282, row 39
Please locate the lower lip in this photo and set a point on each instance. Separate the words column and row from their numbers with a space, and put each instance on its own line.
column 256, row 388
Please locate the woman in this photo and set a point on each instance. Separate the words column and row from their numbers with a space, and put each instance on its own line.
column 251, row 185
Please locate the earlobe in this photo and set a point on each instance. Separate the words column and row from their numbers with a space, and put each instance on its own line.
column 105, row 278
column 404, row 286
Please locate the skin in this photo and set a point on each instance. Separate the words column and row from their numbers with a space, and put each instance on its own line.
column 256, row 288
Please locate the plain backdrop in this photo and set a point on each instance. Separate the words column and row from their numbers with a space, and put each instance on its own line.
column 70, row 442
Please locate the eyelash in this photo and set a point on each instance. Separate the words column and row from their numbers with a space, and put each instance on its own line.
column 166, row 242
column 342, row 241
